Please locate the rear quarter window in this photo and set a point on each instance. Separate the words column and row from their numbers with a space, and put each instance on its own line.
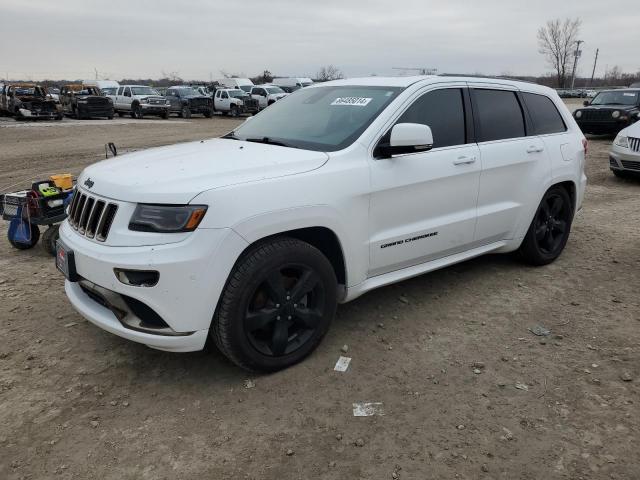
column 544, row 114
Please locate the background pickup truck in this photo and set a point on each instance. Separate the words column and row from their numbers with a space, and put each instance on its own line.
column 186, row 101
column 234, row 101
column 139, row 100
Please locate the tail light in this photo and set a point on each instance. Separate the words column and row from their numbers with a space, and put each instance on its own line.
column 585, row 145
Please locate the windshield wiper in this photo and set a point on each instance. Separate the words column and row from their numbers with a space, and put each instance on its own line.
column 231, row 136
column 269, row 141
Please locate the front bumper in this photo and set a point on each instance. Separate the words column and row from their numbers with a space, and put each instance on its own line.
column 193, row 273
column 151, row 109
column 624, row 159
column 602, row 128
column 87, row 110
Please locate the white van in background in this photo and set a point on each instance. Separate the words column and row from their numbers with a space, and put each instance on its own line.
column 107, row 87
column 241, row 83
column 291, row 84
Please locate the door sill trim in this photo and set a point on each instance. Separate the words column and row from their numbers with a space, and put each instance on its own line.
column 409, row 272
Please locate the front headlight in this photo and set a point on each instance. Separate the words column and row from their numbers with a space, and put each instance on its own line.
column 167, row 218
column 621, row 141
column 578, row 113
column 167, row 102
column 615, row 114
column 144, row 100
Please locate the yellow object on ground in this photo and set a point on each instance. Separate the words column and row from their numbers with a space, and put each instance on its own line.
column 63, row 181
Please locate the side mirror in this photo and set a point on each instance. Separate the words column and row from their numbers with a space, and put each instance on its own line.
column 406, row 138
column 585, row 103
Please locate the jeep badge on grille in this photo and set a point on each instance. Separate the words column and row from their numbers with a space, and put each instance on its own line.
column 88, row 182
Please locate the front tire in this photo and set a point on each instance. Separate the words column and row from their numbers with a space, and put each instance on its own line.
column 549, row 230
column 277, row 305
column 186, row 113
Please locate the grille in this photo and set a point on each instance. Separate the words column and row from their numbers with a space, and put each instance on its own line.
column 157, row 101
column 630, row 165
column 91, row 217
column 598, row 115
column 634, row 144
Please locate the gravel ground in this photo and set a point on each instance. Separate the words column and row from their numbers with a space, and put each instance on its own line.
column 467, row 391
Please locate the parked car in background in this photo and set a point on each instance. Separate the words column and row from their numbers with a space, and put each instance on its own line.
column 54, row 93
column 186, row 101
column 624, row 157
column 140, row 100
column 81, row 102
column 28, row 101
column 252, row 239
column 609, row 112
column 234, row 102
column 291, row 84
column 242, row 83
column 203, row 90
column 267, row 95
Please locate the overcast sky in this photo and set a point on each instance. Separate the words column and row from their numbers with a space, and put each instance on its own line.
column 200, row 38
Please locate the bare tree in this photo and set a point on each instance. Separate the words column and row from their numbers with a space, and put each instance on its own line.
column 330, row 72
column 556, row 42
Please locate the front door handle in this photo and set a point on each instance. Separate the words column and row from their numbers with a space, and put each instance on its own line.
column 464, row 160
column 534, row 149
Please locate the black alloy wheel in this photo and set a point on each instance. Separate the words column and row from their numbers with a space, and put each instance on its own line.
column 285, row 310
column 549, row 231
column 277, row 305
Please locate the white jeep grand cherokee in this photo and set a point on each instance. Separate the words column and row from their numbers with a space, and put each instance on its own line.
column 252, row 239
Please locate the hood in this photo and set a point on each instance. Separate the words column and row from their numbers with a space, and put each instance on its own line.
column 609, row 107
column 177, row 173
column 632, row 130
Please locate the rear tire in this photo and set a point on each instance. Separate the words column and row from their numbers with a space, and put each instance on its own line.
column 257, row 325
column 549, row 230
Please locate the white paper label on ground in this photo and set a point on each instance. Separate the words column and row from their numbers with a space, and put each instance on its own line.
column 342, row 364
column 367, row 409
column 352, row 101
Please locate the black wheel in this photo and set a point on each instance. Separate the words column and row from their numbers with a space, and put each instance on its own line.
column 49, row 239
column 121, row 114
column 278, row 303
column 186, row 113
column 165, row 115
column 549, row 229
column 234, row 111
column 35, row 236
column 208, row 113
column 136, row 111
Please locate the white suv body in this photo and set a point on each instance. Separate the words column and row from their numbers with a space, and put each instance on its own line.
column 624, row 157
column 394, row 199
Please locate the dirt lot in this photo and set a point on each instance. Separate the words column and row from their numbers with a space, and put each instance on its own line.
column 77, row 402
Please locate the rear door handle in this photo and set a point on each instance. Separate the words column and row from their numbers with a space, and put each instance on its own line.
column 534, row 149
column 464, row 160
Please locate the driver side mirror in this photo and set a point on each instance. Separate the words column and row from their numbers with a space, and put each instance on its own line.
column 586, row 103
column 406, row 138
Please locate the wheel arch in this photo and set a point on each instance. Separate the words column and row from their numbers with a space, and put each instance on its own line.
column 570, row 187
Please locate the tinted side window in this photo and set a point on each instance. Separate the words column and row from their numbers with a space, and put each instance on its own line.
column 443, row 111
column 544, row 114
column 120, row 91
column 499, row 114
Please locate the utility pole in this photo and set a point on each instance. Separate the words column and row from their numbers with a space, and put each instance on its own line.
column 575, row 62
column 595, row 62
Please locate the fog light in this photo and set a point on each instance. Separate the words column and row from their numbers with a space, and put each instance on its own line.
column 137, row 278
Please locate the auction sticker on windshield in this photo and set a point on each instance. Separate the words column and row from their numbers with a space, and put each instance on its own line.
column 352, row 101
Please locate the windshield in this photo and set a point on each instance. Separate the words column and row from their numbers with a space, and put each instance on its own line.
column 616, row 98
column 87, row 91
column 110, row 90
column 237, row 93
column 186, row 92
column 246, row 88
column 25, row 91
column 274, row 90
column 143, row 91
column 324, row 119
